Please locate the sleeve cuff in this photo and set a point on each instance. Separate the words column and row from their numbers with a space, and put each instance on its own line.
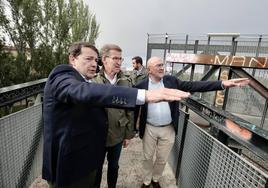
column 222, row 86
column 140, row 97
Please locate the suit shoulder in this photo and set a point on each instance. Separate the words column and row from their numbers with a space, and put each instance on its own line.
column 127, row 80
column 170, row 77
column 63, row 69
column 98, row 78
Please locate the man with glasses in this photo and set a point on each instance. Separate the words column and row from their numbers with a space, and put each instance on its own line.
column 120, row 121
column 158, row 121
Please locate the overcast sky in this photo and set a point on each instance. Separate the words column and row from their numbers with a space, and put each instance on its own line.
column 127, row 22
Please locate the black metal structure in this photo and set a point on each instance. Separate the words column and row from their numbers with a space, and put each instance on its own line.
column 12, row 94
column 222, row 153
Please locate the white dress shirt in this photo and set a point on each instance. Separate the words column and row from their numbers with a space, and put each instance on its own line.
column 158, row 113
column 112, row 81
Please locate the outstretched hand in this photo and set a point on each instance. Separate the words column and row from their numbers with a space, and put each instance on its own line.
column 165, row 94
column 235, row 82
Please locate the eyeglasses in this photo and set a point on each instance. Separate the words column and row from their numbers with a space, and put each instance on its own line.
column 116, row 58
column 159, row 65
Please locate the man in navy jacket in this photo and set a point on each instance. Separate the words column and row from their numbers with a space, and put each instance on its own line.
column 75, row 123
column 158, row 121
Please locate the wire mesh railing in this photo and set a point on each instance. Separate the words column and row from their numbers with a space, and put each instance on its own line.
column 21, row 147
column 200, row 160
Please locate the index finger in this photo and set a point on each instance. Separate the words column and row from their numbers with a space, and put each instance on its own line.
column 240, row 79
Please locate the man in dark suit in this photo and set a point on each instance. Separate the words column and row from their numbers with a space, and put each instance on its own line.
column 158, row 121
column 75, row 123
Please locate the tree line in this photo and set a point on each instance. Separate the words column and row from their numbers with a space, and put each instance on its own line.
column 40, row 31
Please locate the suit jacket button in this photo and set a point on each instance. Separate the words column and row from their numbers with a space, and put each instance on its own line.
column 113, row 100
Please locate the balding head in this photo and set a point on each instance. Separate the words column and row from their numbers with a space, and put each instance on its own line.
column 155, row 68
column 153, row 60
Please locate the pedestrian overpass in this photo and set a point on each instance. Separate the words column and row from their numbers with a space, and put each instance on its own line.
column 222, row 138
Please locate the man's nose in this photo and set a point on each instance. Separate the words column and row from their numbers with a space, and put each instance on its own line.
column 94, row 64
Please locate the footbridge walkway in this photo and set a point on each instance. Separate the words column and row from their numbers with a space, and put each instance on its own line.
column 222, row 139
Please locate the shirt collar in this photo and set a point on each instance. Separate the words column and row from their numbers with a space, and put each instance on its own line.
column 113, row 81
column 87, row 80
column 153, row 82
column 139, row 70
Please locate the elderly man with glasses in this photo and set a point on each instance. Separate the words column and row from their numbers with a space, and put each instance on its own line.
column 158, row 122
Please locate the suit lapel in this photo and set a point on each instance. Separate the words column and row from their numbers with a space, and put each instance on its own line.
column 167, row 83
column 146, row 86
column 78, row 75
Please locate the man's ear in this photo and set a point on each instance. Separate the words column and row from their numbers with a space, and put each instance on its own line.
column 148, row 69
column 103, row 58
column 71, row 60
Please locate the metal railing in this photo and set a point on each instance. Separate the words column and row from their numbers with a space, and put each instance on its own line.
column 21, row 147
column 21, row 135
column 207, row 161
column 17, row 93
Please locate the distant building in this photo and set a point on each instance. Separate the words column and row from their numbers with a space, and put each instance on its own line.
column 13, row 50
